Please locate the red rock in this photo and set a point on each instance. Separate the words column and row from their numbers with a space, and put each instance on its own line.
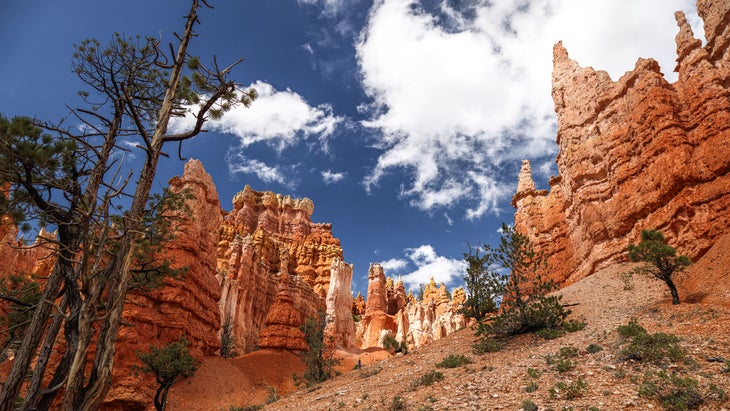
column 340, row 324
column 634, row 154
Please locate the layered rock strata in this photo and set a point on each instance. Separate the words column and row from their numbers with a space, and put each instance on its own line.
column 390, row 311
column 340, row 324
column 268, row 242
column 634, row 154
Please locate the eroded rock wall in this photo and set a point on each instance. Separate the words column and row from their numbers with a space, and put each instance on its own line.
column 267, row 242
column 636, row 153
column 390, row 311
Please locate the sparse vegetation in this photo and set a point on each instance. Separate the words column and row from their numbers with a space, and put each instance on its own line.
column 660, row 259
column 453, row 361
column 562, row 361
column 593, row 348
column 529, row 405
column 674, row 392
column 227, row 342
column 648, row 348
column 392, row 345
column 429, row 378
column 397, row 404
column 534, row 372
column 486, row 344
column 531, row 386
column 569, row 391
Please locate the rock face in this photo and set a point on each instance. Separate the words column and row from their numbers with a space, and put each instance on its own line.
column 390, row 311
column 340, row 324
column 188, row 305
column 271, row 257
column 634, row 154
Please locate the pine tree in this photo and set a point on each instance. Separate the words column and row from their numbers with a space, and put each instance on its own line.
column 661, row 259
column 168, row 364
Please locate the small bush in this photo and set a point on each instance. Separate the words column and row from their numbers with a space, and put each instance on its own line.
column 398, row 404
column 562, row 362
column 675, row 393
column 534, row 373
column 453, row 361
column 654, row 348
column 531, row 386
column 528, row 405
column 485, row 345
column 246, row 408
column 551, row 333
column 593, row 348
column 632, row 329
column 573, row 326
column 429, row 378
column 570, row 391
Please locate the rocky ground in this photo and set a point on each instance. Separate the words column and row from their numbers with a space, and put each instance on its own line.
column 501, row 380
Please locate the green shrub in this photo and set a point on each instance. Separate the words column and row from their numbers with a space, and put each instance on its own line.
column 632, row 329
column 562, row 362
column 593, row 348
column 319, row 361
column 429, row 378
column 453, row 361
column 392, row 345
column 654, row 348
column 485, row 345
column 528, row 405
column 534, row 373
column 573, row 326
column 570, row 391
column 674, row 392
column 397, row 404
column 531, row 386
column 551, row 333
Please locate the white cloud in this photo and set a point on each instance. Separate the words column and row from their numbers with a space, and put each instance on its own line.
column 279, row 119
column 329, row 7
column 431, row 265
column 331, row 177
column 239, row 163
column 455, row 90
column 393, row 266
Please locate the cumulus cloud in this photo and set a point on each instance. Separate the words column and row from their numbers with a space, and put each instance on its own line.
column 393, row 266
column 459, row 91
column 331, row 177
column 428, row 265
column 279, row 119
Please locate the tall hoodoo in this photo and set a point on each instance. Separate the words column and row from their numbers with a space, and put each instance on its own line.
column 340, row 324
column 636, row 153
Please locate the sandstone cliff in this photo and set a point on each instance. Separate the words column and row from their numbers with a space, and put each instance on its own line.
column 269, row 244
column 636, row 153
column 188, row 305
column 389, row 310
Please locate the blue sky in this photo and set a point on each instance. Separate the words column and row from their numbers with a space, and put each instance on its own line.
column 405, row 121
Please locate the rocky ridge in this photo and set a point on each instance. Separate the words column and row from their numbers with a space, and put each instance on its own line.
column 636, row 153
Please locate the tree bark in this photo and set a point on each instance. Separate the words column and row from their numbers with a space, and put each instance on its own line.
column 673, row 290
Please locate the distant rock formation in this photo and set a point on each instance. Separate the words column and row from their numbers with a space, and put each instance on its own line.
column 268, row 244
column 340, row 324
column 390, row 311
column 634, row 154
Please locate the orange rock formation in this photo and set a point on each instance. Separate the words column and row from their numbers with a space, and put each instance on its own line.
column 390, row 311
column 636, row 153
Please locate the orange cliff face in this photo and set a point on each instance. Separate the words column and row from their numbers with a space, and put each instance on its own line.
column 268, row 243
column 634, row 154
column 389, row 310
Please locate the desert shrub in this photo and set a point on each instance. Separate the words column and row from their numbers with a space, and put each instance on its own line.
column 429, row 378
column 453, row 361
column 573, row 326
column 562, row 362
column 593, row 348
column 674, row 392
column 485, row 345
column 569, row 391
column 534, row 372
column 551, row 333
column 632, row 329
column 531, row 386
column 648, row 348
column 246, row 408
column 397, row 404
column 529, row 405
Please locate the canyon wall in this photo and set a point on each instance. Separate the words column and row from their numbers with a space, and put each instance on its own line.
column 390, row 311
column 636, row 153
column 274, row 268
